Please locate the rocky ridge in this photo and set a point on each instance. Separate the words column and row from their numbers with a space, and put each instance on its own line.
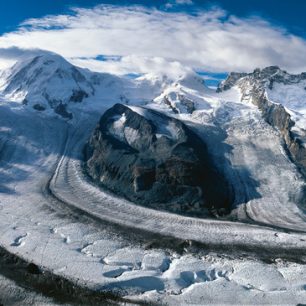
column 254, row 87
column 182, row 95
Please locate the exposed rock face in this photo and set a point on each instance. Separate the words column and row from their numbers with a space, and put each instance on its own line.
column 254, row 87
column 264, row 78
column 78, row 96
column 154, row 160
column 183, row 95
column 230, row 81
column 179, row 103
column 61, row 109
column 39, row 107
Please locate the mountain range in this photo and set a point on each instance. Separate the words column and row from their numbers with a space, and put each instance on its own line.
column 48, row 85
column 157, row 187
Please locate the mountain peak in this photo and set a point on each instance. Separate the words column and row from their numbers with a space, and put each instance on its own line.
column 46, row 81
column 192, row 81
column 265, row 77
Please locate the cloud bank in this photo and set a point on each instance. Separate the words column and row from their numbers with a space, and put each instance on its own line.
column 151, row 40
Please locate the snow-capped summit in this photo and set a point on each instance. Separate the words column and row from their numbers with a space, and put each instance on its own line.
column 49, row 82
column 266, row 77
column 46, row 81
column 192, row 81
column 281, row 97
column 183, row 94
column 278, row 86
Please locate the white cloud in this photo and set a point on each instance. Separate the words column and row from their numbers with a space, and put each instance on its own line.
column 134, row 64
column 184, row 2
column 178, row 2
column 152, row 40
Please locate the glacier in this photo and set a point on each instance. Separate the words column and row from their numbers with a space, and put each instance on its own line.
column 54, row 216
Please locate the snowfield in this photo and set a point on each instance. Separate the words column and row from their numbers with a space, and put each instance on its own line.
column 51, row 214
column 293, row 97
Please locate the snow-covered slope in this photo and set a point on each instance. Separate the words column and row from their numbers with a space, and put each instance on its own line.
column 293, row 97
column 53, row 216
column 46, row 81
column 184, row 95
column 280, row 96
column 280, row 87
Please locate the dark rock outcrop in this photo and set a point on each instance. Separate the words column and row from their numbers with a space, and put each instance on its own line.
column 253, row 87
column 154, row 160
column 262, row 77
column 181, row 104
column 78, row 96
column 61, row 109
column 39, row 107
column 230, row 81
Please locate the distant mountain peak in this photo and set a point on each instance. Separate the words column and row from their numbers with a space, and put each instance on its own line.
column 46, row 81
column 265, row 77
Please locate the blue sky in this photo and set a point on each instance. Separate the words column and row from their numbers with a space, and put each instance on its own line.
column 209, row 37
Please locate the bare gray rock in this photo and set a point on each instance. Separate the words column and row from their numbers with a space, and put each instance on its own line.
column 155, row 160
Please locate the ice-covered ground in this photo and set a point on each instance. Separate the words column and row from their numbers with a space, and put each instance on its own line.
column 293, row 97
column 13, row 294
column 50, row 214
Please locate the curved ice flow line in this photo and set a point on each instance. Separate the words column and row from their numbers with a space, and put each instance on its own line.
column 71, row 186
column 68, row 184
column 66, row 157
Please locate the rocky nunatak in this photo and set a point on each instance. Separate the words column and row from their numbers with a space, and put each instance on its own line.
column 155, row 160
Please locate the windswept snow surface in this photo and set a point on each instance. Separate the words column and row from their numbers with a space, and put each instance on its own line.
column 293, row 98
column 52, row 215
column 12, row 294
column 37, row 81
